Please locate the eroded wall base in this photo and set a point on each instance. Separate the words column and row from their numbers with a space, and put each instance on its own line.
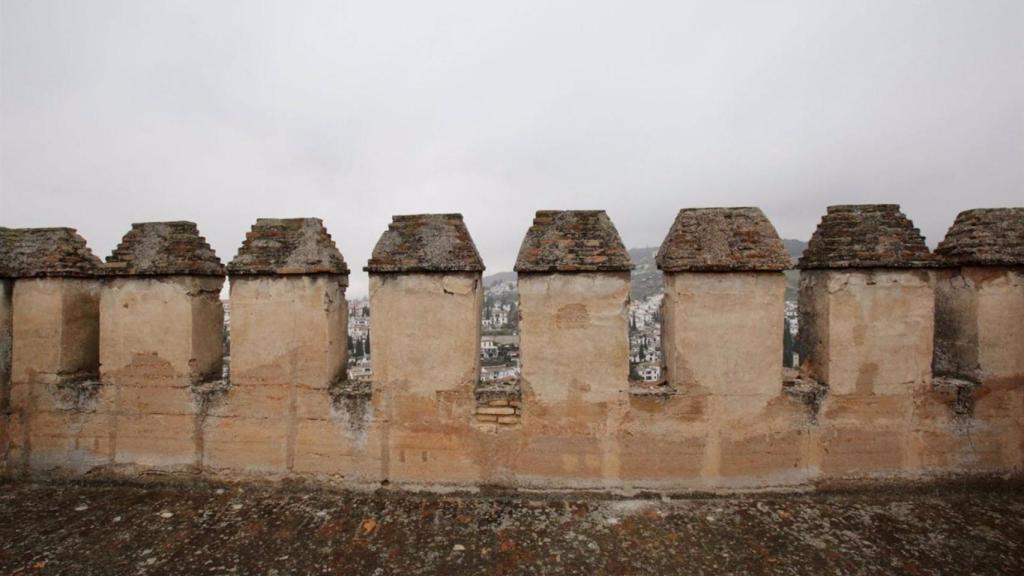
column 54, row 376
column 425, row 345
column 288, row 337
column 161, row 347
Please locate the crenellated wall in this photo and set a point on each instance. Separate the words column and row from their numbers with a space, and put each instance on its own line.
column 913, row 361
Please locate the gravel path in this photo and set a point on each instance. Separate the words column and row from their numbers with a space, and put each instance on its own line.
column 100, row 528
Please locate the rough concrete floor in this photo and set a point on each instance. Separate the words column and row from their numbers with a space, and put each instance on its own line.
column 93, row 528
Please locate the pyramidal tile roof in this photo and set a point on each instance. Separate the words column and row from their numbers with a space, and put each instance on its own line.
column 722, row 240
column 45, row 252
column 425, row 243
column 866, row 236
column 161, row 249
column 985, row 237
column 572, row 241
column 288, row 246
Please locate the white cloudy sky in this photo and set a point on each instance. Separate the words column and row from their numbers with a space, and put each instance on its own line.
column 220, row 112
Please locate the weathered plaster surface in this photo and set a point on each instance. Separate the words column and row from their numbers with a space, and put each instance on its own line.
column 706, row 314
column 1000, row 323
column 288, row 336
column 879, row 325
column 425, row 330
column 727, row 423
column 425, row 345
column 159, row 338
column 573, row 409
column 979, row 367
column 6, row 292
column 722, row 336
column 54, row 363
column 569, row 316
column 956, row 327
column 979, row 332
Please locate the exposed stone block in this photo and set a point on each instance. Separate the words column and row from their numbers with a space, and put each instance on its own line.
column 498, row 411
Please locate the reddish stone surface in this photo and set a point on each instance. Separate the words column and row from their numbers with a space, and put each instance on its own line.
column 722, row 240
column 45, row 252
column 288, row 246
column 572, row 241
column 425, row 243
column 161, row 249
column 866, row 236
column 984, row 237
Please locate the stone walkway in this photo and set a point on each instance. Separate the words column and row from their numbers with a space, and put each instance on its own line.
column 94, row 528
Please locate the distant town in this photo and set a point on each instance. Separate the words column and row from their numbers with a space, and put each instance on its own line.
column 499, row 342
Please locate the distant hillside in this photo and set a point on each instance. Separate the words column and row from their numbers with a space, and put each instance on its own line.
column 794, row 247
column 647, row 282
column 498, row 278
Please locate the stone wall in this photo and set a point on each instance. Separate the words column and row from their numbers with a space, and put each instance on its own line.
column 6, row 316
column 913, row 364
column 53, row 388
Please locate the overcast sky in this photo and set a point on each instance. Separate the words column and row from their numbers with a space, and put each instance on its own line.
column 114, row 112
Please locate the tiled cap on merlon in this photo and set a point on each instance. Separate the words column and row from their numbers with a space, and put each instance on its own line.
column 984, row 237
column 572, row 241
column 425, row 243
column 866, row 236
column 281, row 246
column 45, row 252
column 722, row 240
column 163, row 249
